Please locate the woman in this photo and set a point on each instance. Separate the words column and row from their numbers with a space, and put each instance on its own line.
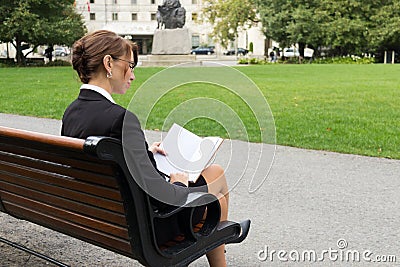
column 105, row 63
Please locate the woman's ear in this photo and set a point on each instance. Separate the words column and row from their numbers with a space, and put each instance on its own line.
column 107, row 62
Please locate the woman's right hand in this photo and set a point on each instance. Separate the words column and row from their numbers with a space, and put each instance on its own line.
column 179, row 177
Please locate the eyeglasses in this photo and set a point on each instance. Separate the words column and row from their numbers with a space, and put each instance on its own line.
column 132, row 64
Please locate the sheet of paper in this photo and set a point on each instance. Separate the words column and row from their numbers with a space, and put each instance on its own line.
column 186, row 152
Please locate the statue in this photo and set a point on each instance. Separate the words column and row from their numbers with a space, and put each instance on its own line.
column 170, row 15
column 160, row 21
column 171, row 38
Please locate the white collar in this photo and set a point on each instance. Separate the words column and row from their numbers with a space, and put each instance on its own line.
column 99, row 90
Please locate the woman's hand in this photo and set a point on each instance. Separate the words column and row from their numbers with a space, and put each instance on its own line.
column 179, row 177
column 155, row 148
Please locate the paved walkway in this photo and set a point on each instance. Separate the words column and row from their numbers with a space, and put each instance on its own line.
column 334, row 205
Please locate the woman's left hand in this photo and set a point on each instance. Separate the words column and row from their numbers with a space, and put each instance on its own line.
column 155, row 148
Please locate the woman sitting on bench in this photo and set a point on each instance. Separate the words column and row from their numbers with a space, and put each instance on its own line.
column 105, row 64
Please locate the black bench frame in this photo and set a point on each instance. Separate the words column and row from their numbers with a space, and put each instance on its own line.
column 137, row 209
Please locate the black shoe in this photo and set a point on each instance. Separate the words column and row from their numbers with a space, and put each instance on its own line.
column 245, row 227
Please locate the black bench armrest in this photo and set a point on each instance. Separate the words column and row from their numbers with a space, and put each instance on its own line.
column 186, row 211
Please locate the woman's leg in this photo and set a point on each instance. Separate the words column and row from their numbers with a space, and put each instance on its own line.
column 217, row 185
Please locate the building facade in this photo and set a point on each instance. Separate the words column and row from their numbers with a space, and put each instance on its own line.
column 136, row 20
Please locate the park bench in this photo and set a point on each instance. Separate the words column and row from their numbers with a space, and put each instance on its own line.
column 83, row 188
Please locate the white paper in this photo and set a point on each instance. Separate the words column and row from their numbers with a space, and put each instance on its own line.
column 186, row 152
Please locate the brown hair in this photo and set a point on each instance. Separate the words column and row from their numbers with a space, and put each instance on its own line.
column 89, row 51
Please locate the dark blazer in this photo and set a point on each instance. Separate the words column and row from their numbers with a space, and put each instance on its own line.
column 91, row 114
column 94, row 115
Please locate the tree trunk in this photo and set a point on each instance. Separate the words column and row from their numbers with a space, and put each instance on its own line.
column 31, row 52
column 20, row 56
column 301, row 51
column 8, row 51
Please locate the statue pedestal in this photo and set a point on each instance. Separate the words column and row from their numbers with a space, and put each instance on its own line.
column 169, row 60
column 172, row 42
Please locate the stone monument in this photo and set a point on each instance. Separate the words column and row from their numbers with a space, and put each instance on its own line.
column 171, row 41
column 171, row 15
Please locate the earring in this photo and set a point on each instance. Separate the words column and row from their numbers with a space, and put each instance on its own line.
column 109, row 75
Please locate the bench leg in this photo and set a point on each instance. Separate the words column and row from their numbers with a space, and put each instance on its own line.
column 32, row 252
column 1, row 206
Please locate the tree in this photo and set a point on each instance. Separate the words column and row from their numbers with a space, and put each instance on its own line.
column 293, row 22
column 228, row 16
column 251, row 47
column 384, row 31
column 343, row 26
column 346, row 23
column 31, row 23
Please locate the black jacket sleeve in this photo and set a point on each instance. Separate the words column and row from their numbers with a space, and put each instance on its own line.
column 143, row 168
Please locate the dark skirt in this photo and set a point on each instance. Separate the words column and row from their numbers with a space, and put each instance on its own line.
column 168, row 229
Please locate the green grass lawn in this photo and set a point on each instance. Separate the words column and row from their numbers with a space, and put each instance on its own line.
column 344, row 108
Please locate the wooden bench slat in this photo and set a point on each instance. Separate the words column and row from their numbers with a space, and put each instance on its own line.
column 66, row 215
column 64, row 203
column 76, row 160
column 58, row 180
column 63, row 192
column 59, row 141
column 112, row 243
column 82, row 175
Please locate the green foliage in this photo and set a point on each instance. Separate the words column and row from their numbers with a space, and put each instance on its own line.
column 39, row 22
column 345, row 60
column 251, row 48
column 228, row 16
column 287, row 22
column 386, row 33
column 36, row 63
column 58, row 63
column 344, row 26
column 243, row 61
column 252, row 61
column 7, row 62
column 321, row 60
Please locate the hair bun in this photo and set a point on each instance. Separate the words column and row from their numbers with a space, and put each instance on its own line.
column 79, row 60
column 89, row 51
column 79, row 48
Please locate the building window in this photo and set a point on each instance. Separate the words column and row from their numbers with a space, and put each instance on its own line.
column 194, row 17
column 115, row 2
column 194, row 2
column 153, row 16
column 153, row 2
column 195, row 41
column 114, row 16
column 134, row 16
column 134, row 2
column 92, row 1
column 92, row 16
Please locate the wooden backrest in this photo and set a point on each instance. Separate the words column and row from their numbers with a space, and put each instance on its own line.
column 51, row 181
